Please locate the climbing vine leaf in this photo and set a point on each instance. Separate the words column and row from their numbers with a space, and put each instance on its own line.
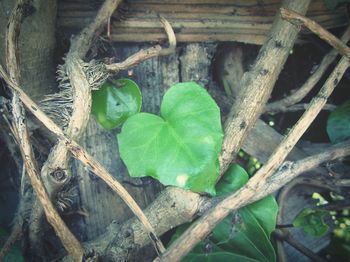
column 114, row 102
column 181, row 146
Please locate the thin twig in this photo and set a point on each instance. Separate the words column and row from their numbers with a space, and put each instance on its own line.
column 299, row 19
column 206, row 224
column 69, row 241
column 143, row 55
column 296, row 96
column 79, row 153
column 81, row 45
column 300, row 107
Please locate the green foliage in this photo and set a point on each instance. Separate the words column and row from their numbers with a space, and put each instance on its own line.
column 242, row 236
column 338, row 124
column 180, row 147
column 234, row 179
column 312, row 221
column 115, row 102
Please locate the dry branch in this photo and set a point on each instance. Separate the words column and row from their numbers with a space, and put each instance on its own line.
column 68, row 239
column 143, row 55
column 257, row 84
column 299, row 19
column 246, row 21
column 56, row 171
column 302, row 107
column 284, row 104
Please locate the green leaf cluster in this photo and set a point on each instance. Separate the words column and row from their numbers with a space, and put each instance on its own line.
column 312, row 221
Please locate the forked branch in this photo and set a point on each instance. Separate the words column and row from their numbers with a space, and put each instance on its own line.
column 143, row 55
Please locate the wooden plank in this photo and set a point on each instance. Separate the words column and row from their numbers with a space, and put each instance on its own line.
column 193, row 20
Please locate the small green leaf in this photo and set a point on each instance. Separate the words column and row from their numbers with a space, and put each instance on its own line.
column 312, row 221
column 114, row 103
column 234, row 178
column 181, row 147
column 265, row 211
column 338, row 124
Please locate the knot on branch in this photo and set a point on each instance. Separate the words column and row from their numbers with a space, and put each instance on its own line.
column 59, row 175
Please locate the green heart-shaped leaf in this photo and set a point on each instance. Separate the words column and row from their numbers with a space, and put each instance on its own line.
column 338, row 123
column 113, row 103
column 181, row 147
column 234, row 178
